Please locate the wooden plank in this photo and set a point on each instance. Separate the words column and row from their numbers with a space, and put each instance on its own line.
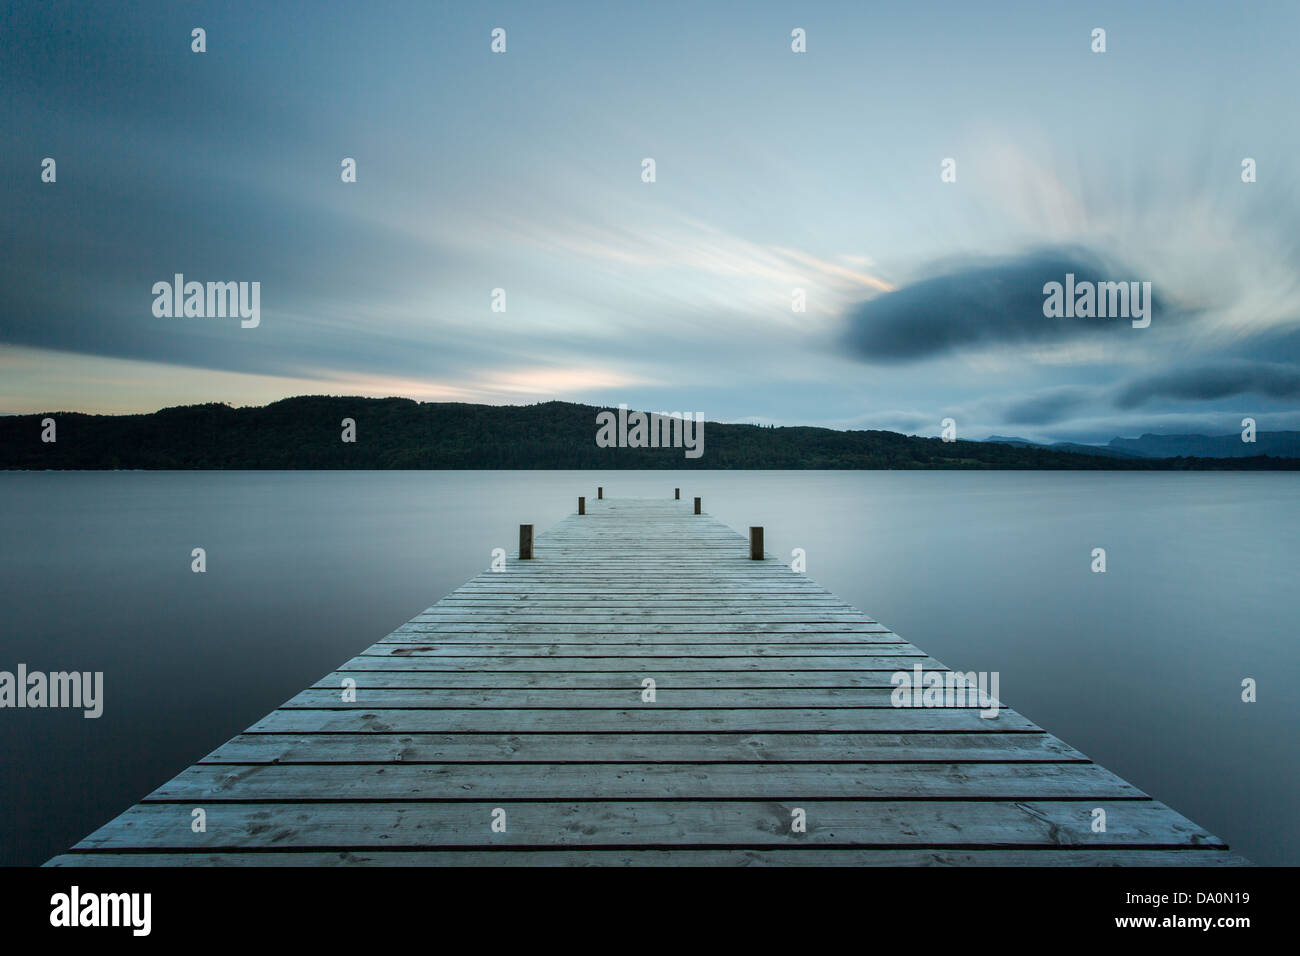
column 668, row 649
column 207, row 784
column 644, row 639
column 624, row 680
column 787, row 616
column 580, row 698
column 449, row 748
column 587, row 599
column 644, row 720
column 645, row 626
column 416, row 662
column 653, row 823
column 825, row 855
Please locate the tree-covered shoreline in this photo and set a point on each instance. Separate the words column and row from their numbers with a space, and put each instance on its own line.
column 395, row 433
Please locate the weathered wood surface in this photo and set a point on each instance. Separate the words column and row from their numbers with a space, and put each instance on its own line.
column 522, row 692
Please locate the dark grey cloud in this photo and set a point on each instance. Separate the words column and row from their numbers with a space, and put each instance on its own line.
column 1207, row 383
column 980, row 303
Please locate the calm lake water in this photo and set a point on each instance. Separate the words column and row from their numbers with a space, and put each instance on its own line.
column 1140, row 667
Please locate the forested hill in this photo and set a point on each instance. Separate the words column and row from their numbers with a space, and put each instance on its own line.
column 306, row 433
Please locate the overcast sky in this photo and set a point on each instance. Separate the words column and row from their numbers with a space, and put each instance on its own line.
column 774, row 171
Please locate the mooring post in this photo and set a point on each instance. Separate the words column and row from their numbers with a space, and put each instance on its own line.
column 600, row 492
column 677, row 494
column 755, row 543
column 697, row 505
column 582, row 506
column 525, row 542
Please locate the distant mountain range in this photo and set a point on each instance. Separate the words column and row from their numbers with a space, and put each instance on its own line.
column 1275, row 444
column 1101, row 450
column 397, row 433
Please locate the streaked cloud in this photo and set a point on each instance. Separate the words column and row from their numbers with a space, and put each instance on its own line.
column 1206, row 383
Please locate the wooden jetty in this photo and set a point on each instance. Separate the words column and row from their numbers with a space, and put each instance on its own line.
column 511, row 724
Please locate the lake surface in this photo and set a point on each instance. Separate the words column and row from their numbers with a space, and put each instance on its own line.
column 1140, row 667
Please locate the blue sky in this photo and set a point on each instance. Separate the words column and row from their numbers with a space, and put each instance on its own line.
column 775, row 171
